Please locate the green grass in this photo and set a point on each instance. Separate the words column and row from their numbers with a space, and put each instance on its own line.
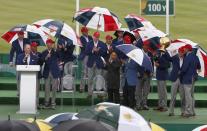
column 188, row 22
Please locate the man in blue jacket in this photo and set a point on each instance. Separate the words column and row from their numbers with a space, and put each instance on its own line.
column 143, row 86
column 131, row 80
column 17, row 47
column 162, row 64
column 66, row 49
column 51, row 72
column 188, row 74
column 27, row 58
column 177, row 62
column 96, row 51
column 118, row 41
column 85, row 39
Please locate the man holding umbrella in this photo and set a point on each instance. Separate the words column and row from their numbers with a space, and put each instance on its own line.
column 66, row 49
column 95, row 50
column 188, row 75
column 131, row 78
column 85, row 39
column 177, row 62
column 143, row 86
column 51, row 72
column 162, row 64
column 18, row 48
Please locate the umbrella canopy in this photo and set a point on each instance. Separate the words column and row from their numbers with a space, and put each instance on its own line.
column 201, row 128
column 176, row 44
column 118, row 116
column 83, row 125
column 129, row 33
column 41, row 124
column 137, row 55
column 148, row 34
column 17, row 125
column 121, row 30
column 33, row 33
column 98, row 18
column 58, row 118
column 136, row 22
column 201, row 53
column 202, row 56
column 57, row 29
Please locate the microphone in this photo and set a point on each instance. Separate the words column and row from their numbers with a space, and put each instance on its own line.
column 25, row 58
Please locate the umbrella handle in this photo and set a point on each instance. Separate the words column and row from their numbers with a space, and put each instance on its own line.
column 98, row 21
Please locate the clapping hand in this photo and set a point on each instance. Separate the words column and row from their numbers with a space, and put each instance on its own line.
column 157, row 64
column 95, row 49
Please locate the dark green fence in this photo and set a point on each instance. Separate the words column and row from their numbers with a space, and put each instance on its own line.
column 6, row 71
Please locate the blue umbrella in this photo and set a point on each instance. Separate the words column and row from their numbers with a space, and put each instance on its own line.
column 137, row 55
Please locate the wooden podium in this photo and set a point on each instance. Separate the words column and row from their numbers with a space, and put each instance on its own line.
column 28, row 86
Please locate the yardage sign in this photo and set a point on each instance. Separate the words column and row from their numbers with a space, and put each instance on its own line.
column 156, row 7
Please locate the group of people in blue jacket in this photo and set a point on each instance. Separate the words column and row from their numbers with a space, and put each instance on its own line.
column 121, row 74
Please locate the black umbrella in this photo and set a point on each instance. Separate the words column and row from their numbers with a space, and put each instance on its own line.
column 83, row 125
column 130, row 34
column 17, row 125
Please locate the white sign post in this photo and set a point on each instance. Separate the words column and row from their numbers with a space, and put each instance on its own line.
column 167, row 17
column 28, row 86
column 77, row 48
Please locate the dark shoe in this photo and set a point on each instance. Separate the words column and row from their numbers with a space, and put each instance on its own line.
column 39, row 107
column 145, row 107
column 163, row 109
column 81, row 90
column 181, row 114
column 187, row 115
column 171, row 114
column 138, row 108
column 46, row 106
column 157, row 108
column 53, row 107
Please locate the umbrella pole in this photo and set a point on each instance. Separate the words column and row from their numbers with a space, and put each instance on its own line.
column 98, row 21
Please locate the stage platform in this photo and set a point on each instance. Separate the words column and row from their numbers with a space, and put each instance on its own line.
column 9, row 105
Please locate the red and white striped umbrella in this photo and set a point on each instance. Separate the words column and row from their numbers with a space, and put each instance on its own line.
column 31, row 32
column 201, row 128
column 98, row 18
column 145, row 28
column 57, row 28
column 176, row 44
column 136, row 22
column 201, row 53
column 147, row 34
